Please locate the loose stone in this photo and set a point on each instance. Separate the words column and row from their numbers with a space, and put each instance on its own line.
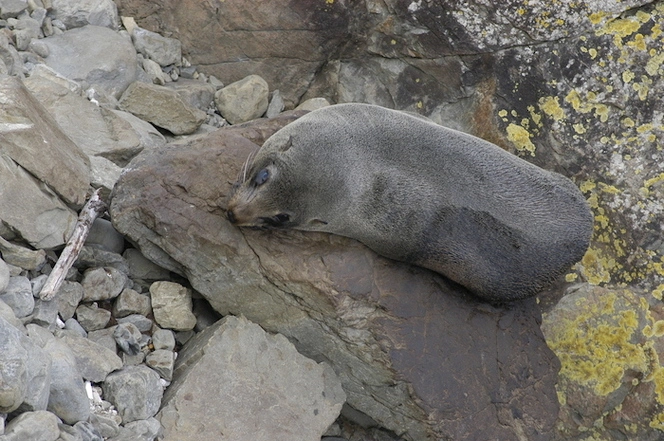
column 135, row 391
column 128, row 338
column 172, row 305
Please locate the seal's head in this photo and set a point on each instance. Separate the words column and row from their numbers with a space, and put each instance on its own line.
column 268, row 194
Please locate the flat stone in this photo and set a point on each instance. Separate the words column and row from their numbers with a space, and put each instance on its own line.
column 172, row 306
column 4, row 276
column 20, row 256
column 163, row 50
column 163, row 339
column 39, row 425
column 142, row 430
column 297, row 398
column 92, row 318
column 105, row 338
column 128, row 338
column 131, row 302
column 68, row 297
column 67, row 398
column 162, row 107
column 142, row 268
column 243, row 100
column 135, row 391
column 94, row 360
column 18, row 295
column 73, row 325
column 313, row 104
column 45, row 313
column 162, row 361
column 78, row 13
column 102, row 284
column 276, row 105
column 102, row 235
column 12, row 8
column 143, row 323
column 195, row 93
column 96, row 130
column 95, row 55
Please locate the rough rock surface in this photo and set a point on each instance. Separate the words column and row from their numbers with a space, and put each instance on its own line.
column 414, row 352
column 163, row 107
column 33, row 140
column 243, row 100
column 608, row 341
column 297, row 398
column 104, row 58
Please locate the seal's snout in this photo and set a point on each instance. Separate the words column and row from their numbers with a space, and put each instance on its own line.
column 231, row 216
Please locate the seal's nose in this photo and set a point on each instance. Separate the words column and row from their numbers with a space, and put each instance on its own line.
column 231, row 216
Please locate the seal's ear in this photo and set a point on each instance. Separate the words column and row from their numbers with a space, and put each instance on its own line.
column 286, row 145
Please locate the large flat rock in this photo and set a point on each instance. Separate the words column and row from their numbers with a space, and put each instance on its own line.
column 415, row 352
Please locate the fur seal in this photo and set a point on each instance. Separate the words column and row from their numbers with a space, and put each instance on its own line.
column 418, row 192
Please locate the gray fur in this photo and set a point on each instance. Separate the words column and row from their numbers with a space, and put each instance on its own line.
column 415, row 191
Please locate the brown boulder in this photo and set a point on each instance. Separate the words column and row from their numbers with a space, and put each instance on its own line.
column 415, row 352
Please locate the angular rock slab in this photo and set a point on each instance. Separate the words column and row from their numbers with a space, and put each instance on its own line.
column 31, row 137
column 95, row 55
column 413, row 351
column 234, row 376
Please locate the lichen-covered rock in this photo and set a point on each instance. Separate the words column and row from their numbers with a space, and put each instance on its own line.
column 609, row 345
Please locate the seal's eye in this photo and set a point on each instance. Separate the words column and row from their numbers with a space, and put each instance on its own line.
column 262, row 176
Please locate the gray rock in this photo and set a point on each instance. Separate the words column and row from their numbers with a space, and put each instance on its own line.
column 68, row 398
column 149, row 136
column 4, row 276
column 276, row 105
column 226, row 361
column 18, row 295
column 243, row 100
column 92, row 317
column 107, row 426
column 102, row 284
column 78, row 13
column 163, row 339
column 105, row 338
column 104, row 174
column 135, row 391
column 172, row 306
column 95, row 55
column 37, row 284
column 20, row 256
column 93, row 257
column 7, row 313
column 39, row 48
column 95, row 129
column 142, row 268
column 131, row 302
column 128, row 338
column 68, row 433
column 313, row 104
column 12, row 8
column 162, row 107
column 10, row 60
column 143, row 323
column 87, row 431
column 163, row 50
column 162, row 361
column 29, row 198
column 68, row 297
column 45, row 313
column 24, row 371
column 26, row 29
column 102, row 235
column 73, row 325
column 142, row 430
column 39, row 425
column 94, row 361
column 154, row 73
column 195, row 93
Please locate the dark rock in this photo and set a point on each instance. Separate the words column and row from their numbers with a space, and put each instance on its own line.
column 135, row 391
column 414, row 351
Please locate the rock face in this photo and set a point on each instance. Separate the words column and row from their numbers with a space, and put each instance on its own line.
column 414, row 352
column 229, row 357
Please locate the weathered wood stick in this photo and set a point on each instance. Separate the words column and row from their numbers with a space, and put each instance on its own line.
column 93, row 208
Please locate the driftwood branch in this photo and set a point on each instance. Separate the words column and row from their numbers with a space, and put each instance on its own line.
column 93, row 208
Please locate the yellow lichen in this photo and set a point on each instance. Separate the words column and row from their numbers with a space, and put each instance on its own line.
column 551, row 107
column 520, row 137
